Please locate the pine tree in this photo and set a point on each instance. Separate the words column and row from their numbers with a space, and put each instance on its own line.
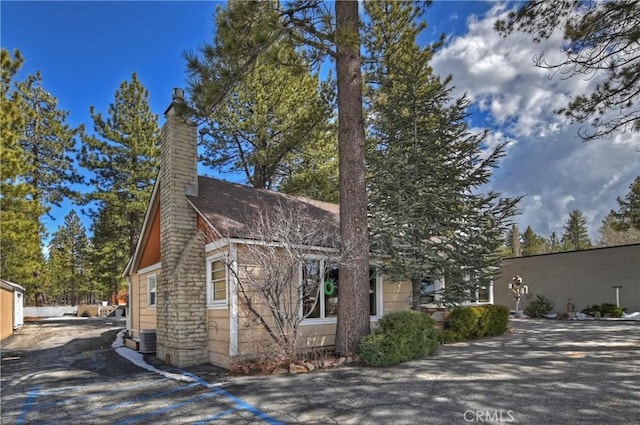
column 314, row 172
column 123, row 157
column 48, row 143
column 554, row 243
column 533, row 244
column 426, row 166
column 69, row 262
column 612, row 235
column 576, row 236
column 628, row 214
column 21, row 258
column 275, row 114
column 512, row 242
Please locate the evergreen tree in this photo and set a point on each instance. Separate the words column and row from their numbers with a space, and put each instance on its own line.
column 69, row 262
column 48, row 143
column 21, row 258
column 278, row 112
column 533, row 244
column 576, row 236
column 123, row 157
column 512, row 243
column 628, row 214
column 426, row 166
column 314, row 172
column 612, row 235
column 554, row 243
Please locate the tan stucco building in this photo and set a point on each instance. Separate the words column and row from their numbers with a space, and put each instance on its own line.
column 587, row 276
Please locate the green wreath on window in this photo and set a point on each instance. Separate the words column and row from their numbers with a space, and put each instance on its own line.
column 329, row 287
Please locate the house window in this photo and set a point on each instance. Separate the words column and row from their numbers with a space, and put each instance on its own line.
column 151, row 290
column 320, row 289
column 216, row 283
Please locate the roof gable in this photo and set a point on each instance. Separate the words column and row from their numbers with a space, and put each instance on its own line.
column 233, row 209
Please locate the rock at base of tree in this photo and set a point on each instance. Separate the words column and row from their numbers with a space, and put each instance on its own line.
column 297, row 368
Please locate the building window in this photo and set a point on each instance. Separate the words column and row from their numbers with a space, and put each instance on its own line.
column 151, row 290
column 320, row 290
column 216, row 283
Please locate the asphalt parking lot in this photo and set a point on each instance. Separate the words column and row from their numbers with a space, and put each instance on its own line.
column 546, row 372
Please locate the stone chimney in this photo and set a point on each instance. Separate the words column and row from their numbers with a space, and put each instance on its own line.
column 181, row 303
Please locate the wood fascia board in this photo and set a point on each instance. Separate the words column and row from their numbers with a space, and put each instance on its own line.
column 144, row 232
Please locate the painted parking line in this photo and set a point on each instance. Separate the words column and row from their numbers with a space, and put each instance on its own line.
column 243, row 405
column 210, row 394
column 37, row 394
column 28, row 404
column 216, row 417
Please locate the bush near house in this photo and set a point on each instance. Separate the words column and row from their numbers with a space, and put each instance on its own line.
column 605, row 309
column 538, row 306
column 401, row 336
column 475, row 322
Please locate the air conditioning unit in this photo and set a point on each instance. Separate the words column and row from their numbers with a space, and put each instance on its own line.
column 148, row 341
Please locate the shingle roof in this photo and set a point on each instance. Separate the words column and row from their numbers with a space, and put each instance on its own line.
column 233, row 209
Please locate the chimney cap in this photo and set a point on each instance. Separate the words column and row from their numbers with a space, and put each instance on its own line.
column 178, row 94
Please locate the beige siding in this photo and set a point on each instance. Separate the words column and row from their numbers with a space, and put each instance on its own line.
column 218, row 336
column 317, row 335
column 395, row 296
column 147, row 316
column 586, row 276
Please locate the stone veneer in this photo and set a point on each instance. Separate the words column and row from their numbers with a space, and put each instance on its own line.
column 181, row 291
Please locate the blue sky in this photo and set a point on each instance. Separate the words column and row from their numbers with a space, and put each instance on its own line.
column 84, row 50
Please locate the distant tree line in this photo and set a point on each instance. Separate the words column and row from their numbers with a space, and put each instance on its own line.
column 620, row 227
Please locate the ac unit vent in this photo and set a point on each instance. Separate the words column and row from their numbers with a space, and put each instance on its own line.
column 148, row 341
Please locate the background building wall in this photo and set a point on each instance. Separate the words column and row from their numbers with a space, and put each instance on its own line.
column 587, row 276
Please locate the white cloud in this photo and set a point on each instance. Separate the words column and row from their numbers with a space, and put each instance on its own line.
column 545, row 159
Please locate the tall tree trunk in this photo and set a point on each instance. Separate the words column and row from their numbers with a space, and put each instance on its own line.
column 353, row 300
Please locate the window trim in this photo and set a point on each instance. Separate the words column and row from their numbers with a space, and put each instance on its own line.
column 155, row 290
column 333, row 319
column 211, row 303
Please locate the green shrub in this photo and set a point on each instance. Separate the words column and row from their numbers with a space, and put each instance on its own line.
column 605, row 309
column 401, row 336
column 447, row 336
column 611, row 310
column 538, row 306
column 479, row 321
column 498, row 320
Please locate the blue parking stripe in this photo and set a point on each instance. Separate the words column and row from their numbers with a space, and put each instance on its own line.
column 216, row 417
column 210, row 394
column 28, row 404
column 241, row 404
